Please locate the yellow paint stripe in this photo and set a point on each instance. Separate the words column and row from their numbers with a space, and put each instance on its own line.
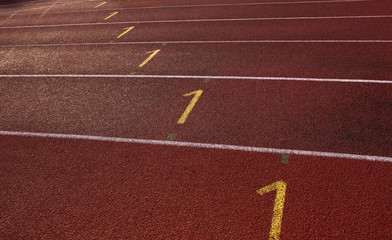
column 127, row 30
column 188, row 110
column 277, row 216
column 100, row 4
column 111, row 15
column 149, row 58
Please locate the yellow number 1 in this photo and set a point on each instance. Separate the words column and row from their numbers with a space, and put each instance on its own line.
column 153, row 53
column 190, row 105
column 276, row 224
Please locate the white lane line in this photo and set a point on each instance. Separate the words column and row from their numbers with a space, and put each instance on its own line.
column 199, row 145
column 191, row 42
column 198, row 20
column 211, row 5
column 196, row 77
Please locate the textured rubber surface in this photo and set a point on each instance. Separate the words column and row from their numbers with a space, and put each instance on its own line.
column 82, row 189
column 62, row 189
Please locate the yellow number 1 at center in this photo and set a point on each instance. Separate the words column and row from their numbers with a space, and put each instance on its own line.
column 153, row 53
column 190, row 105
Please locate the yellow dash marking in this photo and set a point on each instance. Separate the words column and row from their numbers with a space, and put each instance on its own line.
column 111, row 15
column 127, row 30
column 276, row 224
column 100, row 4
column 153, row 53
column 190, row 105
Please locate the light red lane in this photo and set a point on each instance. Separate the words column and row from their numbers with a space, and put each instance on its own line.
column 72, row 189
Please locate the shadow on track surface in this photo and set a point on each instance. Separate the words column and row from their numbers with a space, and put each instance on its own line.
column 17, row 3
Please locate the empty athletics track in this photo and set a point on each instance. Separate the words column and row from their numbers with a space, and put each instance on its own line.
column 183, row 119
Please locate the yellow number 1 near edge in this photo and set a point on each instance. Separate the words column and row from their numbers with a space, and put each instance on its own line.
column 276, row 224
column 190, row 105
column 153, row 53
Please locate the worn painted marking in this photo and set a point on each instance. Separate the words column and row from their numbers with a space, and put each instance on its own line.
column 111, row 15
column 206, row 80
column 277, row 216
column 284, row 158
column 103, row 3
column 191, row 105
column 171, row 137
column 153, row 53
column 127, row 29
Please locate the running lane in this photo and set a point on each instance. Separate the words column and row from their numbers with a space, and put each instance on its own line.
column 304, row 115
column 73, row 189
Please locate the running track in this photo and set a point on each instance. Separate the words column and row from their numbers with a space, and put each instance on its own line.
column 294, row 96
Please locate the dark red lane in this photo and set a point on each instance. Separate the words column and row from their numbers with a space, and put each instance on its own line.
column 321, row 29
column 318, row 116
column 72, row 189
column 289, row 10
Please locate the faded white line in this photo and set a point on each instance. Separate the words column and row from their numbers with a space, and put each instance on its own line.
column 211, row 5
column 198, row 20
column 196, row 77
column 199, row 145
column 190, row 42
column 47, row 9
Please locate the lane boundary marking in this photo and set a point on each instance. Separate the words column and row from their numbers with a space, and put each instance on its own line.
column 195, row 77
column 199, row 145
column 197, row 20
column 207, row 5
column 191, row 42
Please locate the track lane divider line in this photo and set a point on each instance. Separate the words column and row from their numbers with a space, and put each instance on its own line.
column 196, row 20
column 199, row 145
column 196, row 77
column 191, row 42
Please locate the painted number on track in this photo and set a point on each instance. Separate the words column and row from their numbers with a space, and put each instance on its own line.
column 190, row 105
column 153, row 53
column 276, row 223
column 111, row 15
column 127, row 29
column 103, row 3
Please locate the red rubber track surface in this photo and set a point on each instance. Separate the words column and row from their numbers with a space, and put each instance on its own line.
column 81, row 189
column 72, row 189
column 331, row 117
